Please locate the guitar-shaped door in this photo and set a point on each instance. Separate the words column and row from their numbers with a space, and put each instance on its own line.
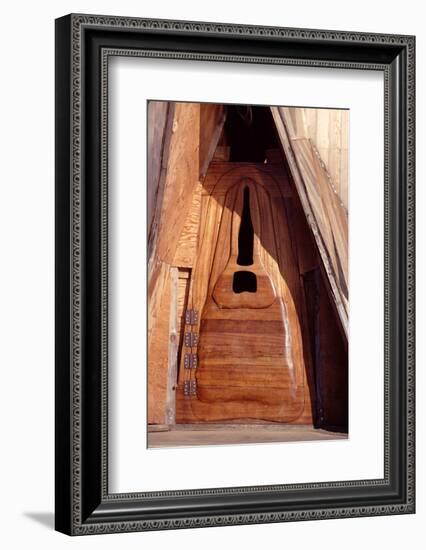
column 246, row 365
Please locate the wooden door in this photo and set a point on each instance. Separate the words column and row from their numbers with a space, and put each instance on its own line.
column 242, row 356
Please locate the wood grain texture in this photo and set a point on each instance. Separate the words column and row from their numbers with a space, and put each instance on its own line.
column 183, row 435
column 227, row 247
column 323, row 209
column 173, row 347
column 158, row 350
column 182, row 138
column 244, row 355
column 212, row 120
column 160, row 126
column 251, row 360
column 186, row 248
column 328, row 130
column 179, row 175
column 182, row 176
column 197, row 232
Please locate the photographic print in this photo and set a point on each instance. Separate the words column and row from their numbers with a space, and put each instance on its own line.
column 205, row 309
column 248, row 300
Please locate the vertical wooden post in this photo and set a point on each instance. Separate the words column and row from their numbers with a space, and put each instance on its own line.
column 173, row 348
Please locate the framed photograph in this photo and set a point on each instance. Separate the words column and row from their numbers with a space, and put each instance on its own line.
column 234, row 274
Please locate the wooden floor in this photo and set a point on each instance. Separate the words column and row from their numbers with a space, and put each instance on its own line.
column 228, row 434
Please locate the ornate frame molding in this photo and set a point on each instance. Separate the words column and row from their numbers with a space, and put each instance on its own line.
column 85, row 507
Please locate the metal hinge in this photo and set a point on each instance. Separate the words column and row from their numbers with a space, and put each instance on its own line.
column 190, row 361
column 191, row 339
column 191, row 317
column 190, row 387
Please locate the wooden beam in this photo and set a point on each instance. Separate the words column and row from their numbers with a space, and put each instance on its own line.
column 181, row 178
column 173, row 348
column 158, row 336
column 212, row 120
column 174, row 191
column 323, row 209
column 328, row 131
column 160, row 123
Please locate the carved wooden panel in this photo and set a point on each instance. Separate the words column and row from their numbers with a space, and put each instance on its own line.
column 246, row 290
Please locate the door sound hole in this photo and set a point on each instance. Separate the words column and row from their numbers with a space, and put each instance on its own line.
column 244, row 281
column 246, row 233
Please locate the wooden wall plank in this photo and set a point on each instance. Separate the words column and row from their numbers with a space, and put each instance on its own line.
column 182, row 138
column 158, row 352
column 160, row 123
column 212, row 120
column 173, row 348
column 218, row 181
column 179, row 235
column 184, row 281
column 328, row 129
column 181, row 178
column 157, row 118
column 186, row 247
column 323, row 209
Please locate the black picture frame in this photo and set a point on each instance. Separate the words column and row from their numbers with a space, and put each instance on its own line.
column 83, row 45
